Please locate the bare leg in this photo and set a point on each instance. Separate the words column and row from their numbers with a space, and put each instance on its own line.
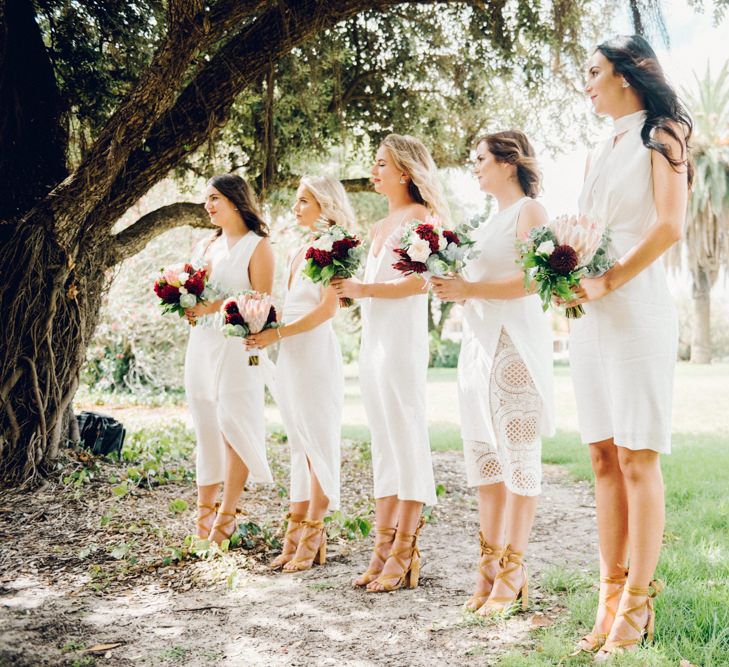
column 612, row 523
column 386, row 517
column 641, row 471
column 206, row 497
column 491, row 517
column 520, row 511
column 409, row 512
column 236, row 474
column 319, row 502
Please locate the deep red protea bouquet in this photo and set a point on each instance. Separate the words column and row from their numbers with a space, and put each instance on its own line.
column 248, row 313
column 181, row 286
column 430, row 250
column 557, row 256
column 334, row 254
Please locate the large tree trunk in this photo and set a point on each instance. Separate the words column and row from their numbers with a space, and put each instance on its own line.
column 701, row 317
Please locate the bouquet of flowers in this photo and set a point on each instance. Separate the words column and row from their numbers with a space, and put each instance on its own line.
column 556, row 256
column 248, row 313
column 428, row 249
column 182, row 286
column 334, row 254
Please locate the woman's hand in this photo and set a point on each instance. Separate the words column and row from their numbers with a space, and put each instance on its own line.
column 261, row 340
column 589, row 289
column 198, row 310
column 454, row 288
column 348, row 288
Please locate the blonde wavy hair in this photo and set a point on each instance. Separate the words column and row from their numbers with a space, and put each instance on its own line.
column 332, row 198
column 412, row 157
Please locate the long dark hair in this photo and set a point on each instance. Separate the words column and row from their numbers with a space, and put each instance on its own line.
column 243, row 198
column 513, row 147
column 633, row 58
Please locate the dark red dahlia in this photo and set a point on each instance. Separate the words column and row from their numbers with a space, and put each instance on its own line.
column 231, row 307
column 234, row 318
column 271, row 316
column 563, row 260
column 451, row 237
column 195, row 284
column 428, row 233
column 321, row 257
column 340, row 249
column 167, row 293
column 406, row 265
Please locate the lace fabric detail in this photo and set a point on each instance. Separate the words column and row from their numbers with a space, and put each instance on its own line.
column 516, row 410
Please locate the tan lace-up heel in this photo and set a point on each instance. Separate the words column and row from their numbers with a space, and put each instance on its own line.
column 489, row 554
column 310, row 550
column 289, row 543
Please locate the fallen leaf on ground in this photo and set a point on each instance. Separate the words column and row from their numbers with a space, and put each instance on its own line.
column 101, row 648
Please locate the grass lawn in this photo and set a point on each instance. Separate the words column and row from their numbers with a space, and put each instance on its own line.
column 693, row 611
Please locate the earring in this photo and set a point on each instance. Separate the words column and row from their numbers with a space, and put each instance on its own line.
column 402, row 181
column 625, row 84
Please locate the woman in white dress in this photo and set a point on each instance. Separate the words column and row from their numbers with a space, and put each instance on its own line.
column 623, row 350
column 393, row 363
column 505, row 388
column 310, row 382
column 224, row 393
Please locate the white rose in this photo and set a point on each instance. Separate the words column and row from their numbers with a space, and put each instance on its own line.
column 182, row 277
column 546, row 248
column 419, row 250
column 188, row 300
column 324, row 243
column 182, row 289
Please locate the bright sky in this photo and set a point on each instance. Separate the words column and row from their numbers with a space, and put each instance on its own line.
column 694, row 42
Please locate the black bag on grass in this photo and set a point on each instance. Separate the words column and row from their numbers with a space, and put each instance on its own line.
column 102, row 434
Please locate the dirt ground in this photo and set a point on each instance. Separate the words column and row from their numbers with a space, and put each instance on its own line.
column 83, row 580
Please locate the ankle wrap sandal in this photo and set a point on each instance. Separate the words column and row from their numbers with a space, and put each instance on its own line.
column 211, row 509
column 645, row 632
column 221, row 526
column 489, row 554
column 611, row 588
column 308, row 551
column 407, row 557
column 289, row 543
column 384, row 538
column 510, row 562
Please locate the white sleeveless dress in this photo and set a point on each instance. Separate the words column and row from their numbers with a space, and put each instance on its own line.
column 224, row 393
column 505, row 377
column 310, row 384
column 623, row 350
column 393, row 369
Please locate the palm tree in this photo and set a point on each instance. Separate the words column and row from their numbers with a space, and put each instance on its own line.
column 707, row 226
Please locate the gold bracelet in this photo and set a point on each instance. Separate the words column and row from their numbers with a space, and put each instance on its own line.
column 278, row 331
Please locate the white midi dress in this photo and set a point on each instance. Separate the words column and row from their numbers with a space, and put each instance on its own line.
column 393, row 368
column 505, row 377
column 623, row 350
column 225, row 394
column 310, row 394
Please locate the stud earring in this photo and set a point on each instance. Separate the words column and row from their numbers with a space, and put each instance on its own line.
column 402, row 181
column 625, row 84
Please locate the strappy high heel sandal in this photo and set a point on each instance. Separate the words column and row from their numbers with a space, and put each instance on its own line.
column 611, row 588
column 384, row 538
column 510, row 562
column 221, row 526
column 407, row 557
column 289, row 543
column 201, row 527
column 308, row 550
column 489, row 554
column 645, row 633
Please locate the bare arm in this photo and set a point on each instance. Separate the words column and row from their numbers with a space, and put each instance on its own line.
column 261, row 267
column 531, row 215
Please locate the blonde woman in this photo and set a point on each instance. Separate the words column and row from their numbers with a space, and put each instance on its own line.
column 504, row 372
column 225, row 394
column 310, row 382
column 393, row 363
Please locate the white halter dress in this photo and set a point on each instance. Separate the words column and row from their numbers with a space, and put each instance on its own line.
column 505, row 377
column 224, row 393
column 623, row 350
column 393, row 367
column 310, row 384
